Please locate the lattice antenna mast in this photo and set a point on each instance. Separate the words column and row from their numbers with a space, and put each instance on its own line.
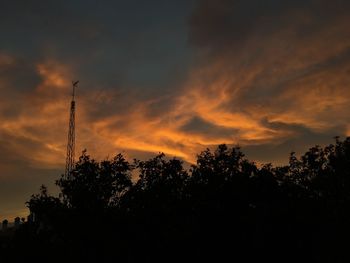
column 71, row 135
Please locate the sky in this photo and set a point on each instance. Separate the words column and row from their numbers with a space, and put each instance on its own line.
column 172, row 76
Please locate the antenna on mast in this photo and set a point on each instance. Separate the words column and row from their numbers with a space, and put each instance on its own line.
column 75, row 85
column 71, row 135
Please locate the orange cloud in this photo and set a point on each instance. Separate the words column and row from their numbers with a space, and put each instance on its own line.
column 42, row 116
column 255, row 93
column 218, row 102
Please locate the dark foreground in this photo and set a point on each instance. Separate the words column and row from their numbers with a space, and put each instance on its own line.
column 224, row 209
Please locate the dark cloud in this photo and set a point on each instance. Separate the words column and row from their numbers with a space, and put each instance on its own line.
column 302, row 140
column 19, row 73
column 227, row 25
column 199, row 126
column 133, row 43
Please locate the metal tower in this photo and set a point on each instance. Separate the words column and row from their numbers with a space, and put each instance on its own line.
column 71, row 135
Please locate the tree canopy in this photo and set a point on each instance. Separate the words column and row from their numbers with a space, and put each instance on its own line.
column 224, row 206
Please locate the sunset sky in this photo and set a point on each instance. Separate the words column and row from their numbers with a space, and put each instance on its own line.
column 172, row 76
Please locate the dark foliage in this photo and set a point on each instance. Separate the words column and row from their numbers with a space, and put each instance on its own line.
column 225, row 208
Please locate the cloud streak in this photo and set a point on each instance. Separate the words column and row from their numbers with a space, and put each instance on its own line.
column 285, row 62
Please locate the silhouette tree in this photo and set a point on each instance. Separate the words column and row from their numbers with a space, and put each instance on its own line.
column 44, row 207
column 224, row 208
column 96, row 186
